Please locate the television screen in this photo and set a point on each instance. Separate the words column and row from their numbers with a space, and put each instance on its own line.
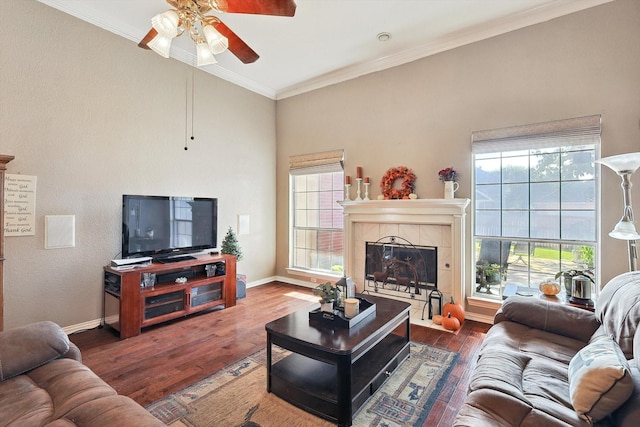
column 158, row 225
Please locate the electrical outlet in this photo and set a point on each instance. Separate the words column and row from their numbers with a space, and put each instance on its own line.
column 313, row 280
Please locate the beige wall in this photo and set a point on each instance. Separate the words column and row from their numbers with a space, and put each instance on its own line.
column 93, row 117
column 422, row 114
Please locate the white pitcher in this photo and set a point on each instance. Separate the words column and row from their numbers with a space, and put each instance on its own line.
column 450, row 187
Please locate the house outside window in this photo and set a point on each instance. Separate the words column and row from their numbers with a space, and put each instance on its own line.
column 535, row 204
column 317, row 220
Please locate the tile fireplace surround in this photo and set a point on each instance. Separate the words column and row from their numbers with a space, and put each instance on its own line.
column 425, row 222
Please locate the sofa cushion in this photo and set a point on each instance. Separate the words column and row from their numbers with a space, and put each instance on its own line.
column 532, row 342
column 599, row 379
column 548, row 316
column 629, row 413
column 50, row 392
column 618, row 309
column 66, row 393
column 25, row 348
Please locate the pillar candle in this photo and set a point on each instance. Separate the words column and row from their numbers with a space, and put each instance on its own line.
column 366, row 179
column 347, row 180
column 359, row 172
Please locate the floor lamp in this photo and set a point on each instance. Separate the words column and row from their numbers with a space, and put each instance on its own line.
column 625, row 165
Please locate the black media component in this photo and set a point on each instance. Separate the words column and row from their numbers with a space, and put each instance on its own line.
column 221, row 268
column 172, row 276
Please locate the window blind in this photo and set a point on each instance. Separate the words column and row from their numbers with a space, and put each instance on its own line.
column 572, row 132
column 324, row 162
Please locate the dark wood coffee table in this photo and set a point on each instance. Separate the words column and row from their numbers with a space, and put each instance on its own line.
column 331, row 372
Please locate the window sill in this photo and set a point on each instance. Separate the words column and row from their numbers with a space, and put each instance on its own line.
column 487, row 303
column 310, row 274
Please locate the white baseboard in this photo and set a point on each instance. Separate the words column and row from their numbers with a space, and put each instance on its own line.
column 91, row 324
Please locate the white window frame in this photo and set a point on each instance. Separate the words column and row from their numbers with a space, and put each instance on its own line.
column 312, row 164
column 562, row 133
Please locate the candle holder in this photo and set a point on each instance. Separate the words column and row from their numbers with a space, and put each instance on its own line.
column 347, row 188
column 358, row 197
column 366, row 190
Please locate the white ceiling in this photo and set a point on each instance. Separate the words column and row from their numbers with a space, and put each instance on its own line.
column 329, row 41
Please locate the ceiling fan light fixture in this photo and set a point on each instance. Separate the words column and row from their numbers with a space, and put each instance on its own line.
column 161, row 45
column 216, row 41
column 204, row 54
column 166, row 23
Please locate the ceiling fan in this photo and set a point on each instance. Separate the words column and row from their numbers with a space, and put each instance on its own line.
column 208, row 32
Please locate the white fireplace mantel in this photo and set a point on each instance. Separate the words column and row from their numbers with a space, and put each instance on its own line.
column 446, row 212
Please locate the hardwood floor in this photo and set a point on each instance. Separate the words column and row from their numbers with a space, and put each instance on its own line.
column 168, row 357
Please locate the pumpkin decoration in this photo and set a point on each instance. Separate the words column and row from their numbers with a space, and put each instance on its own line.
column 455, row 309
column 450, row 323
column 549, row 288
column 437, row 319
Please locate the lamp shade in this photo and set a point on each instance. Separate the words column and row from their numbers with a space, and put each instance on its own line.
column 161, row 45
column 625, row 230
column 166, row 23
column 204, row 55
column 216, row 41
column 622, row 163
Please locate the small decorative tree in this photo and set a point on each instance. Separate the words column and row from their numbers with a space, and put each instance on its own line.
column 230, row 245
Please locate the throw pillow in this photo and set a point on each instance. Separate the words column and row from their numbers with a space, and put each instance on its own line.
column 599, row 379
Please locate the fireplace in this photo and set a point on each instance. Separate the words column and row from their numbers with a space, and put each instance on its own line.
column 432, row 228
column 397, row 268
column 395, row 264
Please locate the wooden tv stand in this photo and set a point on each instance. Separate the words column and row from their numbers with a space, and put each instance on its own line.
column 128, row 307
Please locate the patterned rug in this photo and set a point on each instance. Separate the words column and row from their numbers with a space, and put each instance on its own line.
column 237, row 397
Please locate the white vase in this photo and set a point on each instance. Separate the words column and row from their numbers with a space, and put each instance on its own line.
column 326, row 307
column 450, row 187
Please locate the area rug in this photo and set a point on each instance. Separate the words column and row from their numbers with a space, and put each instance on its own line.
column 237, row 396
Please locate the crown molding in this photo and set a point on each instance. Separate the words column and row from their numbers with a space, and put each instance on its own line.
column 450, row 41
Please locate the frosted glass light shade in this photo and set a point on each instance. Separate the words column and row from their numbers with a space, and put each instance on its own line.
column 216, row 41
column 205, row 57
column 625, row 230
column 166, row 23
column 622, row 163
column 161, row 45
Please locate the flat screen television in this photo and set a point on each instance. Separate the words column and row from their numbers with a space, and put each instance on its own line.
column 164, row 226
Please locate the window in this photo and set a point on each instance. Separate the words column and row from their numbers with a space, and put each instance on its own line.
column 317, row 184
column 534, row 203
column 182, row 223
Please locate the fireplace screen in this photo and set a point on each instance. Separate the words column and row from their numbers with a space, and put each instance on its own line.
column 396, row 265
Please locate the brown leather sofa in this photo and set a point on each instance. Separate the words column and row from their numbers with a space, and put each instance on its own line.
column 548, row 364
column 44, row 383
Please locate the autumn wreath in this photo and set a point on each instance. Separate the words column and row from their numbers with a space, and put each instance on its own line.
column 388, row 180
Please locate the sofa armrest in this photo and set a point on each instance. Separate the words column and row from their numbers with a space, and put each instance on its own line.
column 548, row 316
column 25, row 348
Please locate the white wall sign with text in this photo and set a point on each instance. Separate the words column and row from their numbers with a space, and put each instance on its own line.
column 19, row 205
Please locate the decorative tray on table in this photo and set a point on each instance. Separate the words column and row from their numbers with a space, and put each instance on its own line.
column 337, row 318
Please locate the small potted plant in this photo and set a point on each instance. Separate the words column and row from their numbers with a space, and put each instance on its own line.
column 328, row 295
column 568, row 275
column 231, row 246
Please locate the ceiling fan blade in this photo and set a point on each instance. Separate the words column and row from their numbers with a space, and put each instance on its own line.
column 236, row 45
column 145, row 41
column 258, row 7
